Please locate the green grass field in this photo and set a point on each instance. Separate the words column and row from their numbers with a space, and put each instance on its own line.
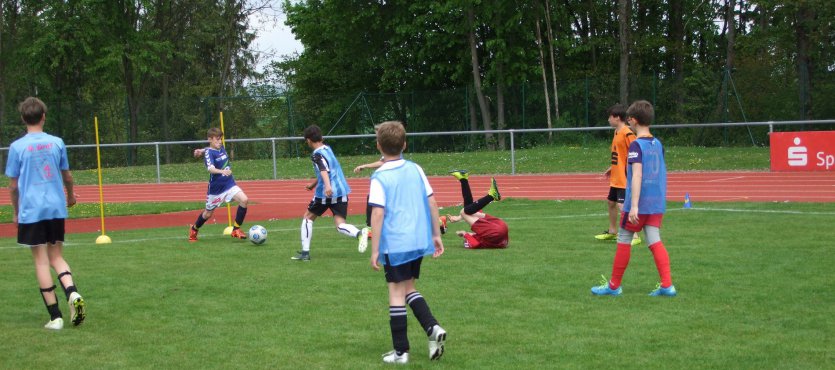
column 86, row 210
column 544, row 159
column 752, row 278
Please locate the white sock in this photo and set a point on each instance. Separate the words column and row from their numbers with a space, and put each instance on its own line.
column 348, row 230
column 307, row 234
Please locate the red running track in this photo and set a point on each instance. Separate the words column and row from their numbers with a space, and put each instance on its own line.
column 278, row 199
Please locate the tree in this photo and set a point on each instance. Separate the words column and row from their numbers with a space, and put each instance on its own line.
column 2, row 68
column 544, row 76
column 482, row 101
column 624, row 7
column 551, row 58
column 805, row 15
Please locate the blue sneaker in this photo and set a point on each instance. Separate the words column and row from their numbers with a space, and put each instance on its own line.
column 663, row 292
column 604, row 289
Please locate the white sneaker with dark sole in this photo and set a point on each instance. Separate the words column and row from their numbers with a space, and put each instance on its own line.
column 392, row 357
column 362, row 244
column 436, row 342
column 78, row 308
column 56, row 324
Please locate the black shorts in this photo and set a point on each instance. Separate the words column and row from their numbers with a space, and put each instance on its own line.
column 616, row 195
column 338, row 206
column 407, row 271
column 41, row 232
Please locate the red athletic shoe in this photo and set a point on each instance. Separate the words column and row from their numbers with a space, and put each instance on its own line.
column 192, row 234
column 238, row 234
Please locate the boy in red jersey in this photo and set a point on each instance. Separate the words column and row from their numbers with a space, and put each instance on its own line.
column 488, row 231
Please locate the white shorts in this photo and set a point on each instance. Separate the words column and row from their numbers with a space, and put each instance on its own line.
column 213, row 201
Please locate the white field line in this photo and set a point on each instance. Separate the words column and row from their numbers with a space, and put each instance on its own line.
column 600, row 214
column 771, row 211
column 78, row 244
column 727, row 178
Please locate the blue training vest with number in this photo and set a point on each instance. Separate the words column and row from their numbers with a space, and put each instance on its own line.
column 407, row 225
column 338, row 183
column 653, row 198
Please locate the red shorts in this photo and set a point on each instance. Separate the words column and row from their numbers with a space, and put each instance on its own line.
column 490, row 232
column 643, row 220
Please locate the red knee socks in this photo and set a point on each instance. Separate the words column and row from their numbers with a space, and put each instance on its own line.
column 662, row 262
column 619, row 266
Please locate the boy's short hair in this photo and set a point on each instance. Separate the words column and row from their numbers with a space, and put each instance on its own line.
column 391, row 136
column 617, row 110
column 31, row 110
column 642, row 112
column 214, row 132
column 314, row 133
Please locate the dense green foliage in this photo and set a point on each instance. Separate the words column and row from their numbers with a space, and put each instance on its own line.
column 417, row 54
column 162, row 70
column 157, row 301
column 140, row 65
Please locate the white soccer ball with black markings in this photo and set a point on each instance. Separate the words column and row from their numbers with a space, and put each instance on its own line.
column 257, row 234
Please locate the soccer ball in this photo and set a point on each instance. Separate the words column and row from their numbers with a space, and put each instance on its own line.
column 257, row 234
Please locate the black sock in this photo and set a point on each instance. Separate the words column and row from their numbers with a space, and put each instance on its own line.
column 465, row 192
column 67, row 289
column 397, row 321
column 367, row 212
column 239, row 217
column 200, row 221
column 54, row 311
column 479, row 205
column 421, row 310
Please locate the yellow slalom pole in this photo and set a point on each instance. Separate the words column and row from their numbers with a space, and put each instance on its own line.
column 228, row 229
column 102, row 239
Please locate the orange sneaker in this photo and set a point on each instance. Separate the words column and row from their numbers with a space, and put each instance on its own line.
column 238, row 234
column 192, row 234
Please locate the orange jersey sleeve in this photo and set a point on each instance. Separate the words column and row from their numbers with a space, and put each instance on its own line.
column 620, row 148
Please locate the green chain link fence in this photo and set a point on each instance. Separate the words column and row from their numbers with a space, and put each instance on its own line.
column 582, row 103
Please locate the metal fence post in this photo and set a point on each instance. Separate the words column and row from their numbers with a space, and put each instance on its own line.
column 156, row 147
column 524, row 123
column 275, row 169
column 512, row 154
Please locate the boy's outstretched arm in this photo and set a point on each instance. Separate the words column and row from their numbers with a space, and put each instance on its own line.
column 361, row 167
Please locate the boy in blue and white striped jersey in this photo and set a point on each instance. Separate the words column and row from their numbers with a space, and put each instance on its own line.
column 331, row 192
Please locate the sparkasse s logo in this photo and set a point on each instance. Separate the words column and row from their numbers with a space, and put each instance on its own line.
column 798, row 155
column 802, row 151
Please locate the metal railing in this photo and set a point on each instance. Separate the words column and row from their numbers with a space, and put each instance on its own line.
column 510, row 132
